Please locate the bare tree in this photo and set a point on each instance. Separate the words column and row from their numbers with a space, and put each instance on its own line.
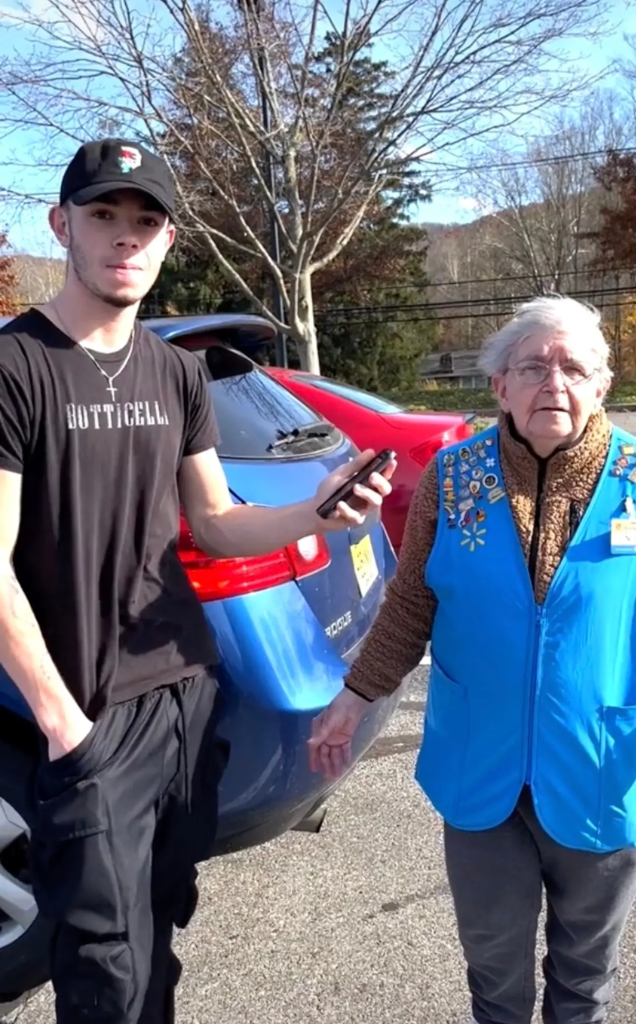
column 8, row 279
column 470, row 282
column 541, row 203
column 544, row 197
column 39, row 278
column 194, row 82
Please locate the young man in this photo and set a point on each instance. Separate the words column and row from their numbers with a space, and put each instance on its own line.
column 104, row 432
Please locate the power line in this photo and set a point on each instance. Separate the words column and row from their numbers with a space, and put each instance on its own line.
column 522, row 277
column 455, row 316
column 464, row 303
column 536, row 161
column 428, row 285
column 580, row 271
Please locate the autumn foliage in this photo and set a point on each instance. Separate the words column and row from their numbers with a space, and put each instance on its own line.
column 9, row 303
column 616, row 237
column 620, row 331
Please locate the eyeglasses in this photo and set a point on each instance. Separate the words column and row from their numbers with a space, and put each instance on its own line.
column 538, row 373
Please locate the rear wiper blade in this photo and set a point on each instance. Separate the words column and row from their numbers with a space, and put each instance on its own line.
column 321, row 428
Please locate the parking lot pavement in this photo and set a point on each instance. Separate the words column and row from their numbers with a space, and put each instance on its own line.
column 626, row 420
column 350, row 926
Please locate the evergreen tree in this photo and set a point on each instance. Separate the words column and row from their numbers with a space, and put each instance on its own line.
column 189, row 283
column 382, row 264
column 382, row 267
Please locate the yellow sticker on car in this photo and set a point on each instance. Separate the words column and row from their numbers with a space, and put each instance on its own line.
column 364, row 564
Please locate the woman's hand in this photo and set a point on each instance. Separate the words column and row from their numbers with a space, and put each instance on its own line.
column 332, row 732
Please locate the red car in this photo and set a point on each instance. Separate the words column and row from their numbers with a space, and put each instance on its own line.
column 373, row 422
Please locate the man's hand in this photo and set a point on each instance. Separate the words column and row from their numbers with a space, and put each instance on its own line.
column 68, row 732
column 332, row 732
column 224, row 529
column 367, row 498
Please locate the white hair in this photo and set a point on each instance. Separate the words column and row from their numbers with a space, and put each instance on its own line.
column 545, row 315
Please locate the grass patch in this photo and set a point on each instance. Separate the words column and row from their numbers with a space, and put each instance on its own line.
column 446, row 399
column 443, row 399
column 623, row 391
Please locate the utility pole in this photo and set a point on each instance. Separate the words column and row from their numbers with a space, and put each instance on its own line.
column 270, row 176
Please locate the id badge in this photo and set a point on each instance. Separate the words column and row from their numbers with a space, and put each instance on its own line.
column 623, row 536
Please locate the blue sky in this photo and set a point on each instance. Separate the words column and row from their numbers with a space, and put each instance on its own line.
column 28, row 227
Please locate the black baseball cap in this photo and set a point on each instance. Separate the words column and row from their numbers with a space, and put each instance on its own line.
column 101, row 167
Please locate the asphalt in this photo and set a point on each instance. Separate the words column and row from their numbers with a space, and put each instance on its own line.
column 350, row 926
column 626, row 420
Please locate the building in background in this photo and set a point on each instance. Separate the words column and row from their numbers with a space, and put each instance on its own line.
column 454, row 369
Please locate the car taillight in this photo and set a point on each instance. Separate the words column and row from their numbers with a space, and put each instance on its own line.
column 214, row 578
column 423, row 453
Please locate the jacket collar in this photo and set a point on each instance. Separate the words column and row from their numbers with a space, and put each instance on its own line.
column 575, row 466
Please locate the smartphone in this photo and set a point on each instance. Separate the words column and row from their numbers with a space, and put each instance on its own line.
column 345, row 491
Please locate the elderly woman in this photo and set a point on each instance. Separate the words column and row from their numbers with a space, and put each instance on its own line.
column 519, row 564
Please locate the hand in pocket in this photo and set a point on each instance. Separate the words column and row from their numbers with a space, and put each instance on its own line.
column 69, row 733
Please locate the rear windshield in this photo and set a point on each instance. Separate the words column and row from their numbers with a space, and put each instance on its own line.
column 253, row 410
column 369, row 401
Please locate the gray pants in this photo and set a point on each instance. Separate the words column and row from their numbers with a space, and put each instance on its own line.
column 496, row 878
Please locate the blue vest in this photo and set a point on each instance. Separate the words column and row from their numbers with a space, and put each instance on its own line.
column 526, row 693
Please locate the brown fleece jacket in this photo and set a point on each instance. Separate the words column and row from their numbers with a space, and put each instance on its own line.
column 397, row 641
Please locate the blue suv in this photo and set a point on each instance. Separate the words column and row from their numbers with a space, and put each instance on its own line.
column 286, row 625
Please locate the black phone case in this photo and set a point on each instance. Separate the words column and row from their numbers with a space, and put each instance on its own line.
column 376, row 464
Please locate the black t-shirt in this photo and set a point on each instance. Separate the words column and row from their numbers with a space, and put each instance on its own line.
column 96, row 553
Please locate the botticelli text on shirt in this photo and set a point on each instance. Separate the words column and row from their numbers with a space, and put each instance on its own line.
column 115, row 415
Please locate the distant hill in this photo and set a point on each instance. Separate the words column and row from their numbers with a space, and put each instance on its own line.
column 39, row 278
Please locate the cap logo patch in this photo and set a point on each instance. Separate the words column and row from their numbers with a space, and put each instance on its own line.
column 129, row 159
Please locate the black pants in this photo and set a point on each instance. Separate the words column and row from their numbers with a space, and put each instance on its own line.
column 120, row 824
column 496, row 878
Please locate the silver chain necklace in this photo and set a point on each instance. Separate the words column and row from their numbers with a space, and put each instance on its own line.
column 109, row 377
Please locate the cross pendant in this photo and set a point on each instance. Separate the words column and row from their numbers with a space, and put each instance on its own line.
column 112, row 389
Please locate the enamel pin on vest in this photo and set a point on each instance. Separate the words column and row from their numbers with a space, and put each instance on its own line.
column 623, row 530
column 469, row 486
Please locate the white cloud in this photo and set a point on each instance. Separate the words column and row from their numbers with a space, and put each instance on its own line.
column 468, row 203
column 415, row 151
column 79, row 17
column 471, row 204
column 11, row 14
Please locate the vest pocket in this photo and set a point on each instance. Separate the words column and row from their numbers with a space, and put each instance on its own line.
column 617, row 826
column 440, row 765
